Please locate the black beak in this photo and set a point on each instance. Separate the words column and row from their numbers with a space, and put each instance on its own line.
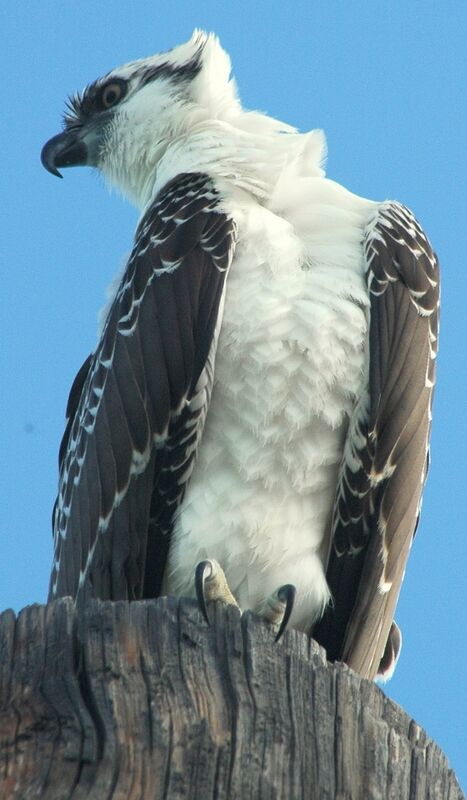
column 65, row 150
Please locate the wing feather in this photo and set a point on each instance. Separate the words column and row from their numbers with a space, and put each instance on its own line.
column 386, row 452
column 138, row 404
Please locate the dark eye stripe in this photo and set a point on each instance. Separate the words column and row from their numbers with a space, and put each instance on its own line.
column 83, row 105
column 182, row 72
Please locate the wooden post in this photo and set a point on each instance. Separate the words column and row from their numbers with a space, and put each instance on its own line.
column 144, row 701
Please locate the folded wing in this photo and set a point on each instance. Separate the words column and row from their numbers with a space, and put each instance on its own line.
column 137, row 406
column 386, row 452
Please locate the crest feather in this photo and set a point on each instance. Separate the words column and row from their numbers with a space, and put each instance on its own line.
column 213, row 86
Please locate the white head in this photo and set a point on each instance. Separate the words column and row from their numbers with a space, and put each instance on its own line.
column 183, row 101
column 123, row 122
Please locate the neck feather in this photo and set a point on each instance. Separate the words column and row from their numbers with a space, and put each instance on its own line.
column 252, row 157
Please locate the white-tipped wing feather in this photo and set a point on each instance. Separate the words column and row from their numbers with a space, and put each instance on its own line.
column 386, row 452
column 138, row 404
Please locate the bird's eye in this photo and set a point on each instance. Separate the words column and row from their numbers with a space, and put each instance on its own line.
column 112, row 93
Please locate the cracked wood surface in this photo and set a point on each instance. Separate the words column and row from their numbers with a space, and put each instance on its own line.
column 142, row 701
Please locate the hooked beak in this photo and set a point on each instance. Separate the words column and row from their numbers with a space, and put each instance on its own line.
column 67, row 149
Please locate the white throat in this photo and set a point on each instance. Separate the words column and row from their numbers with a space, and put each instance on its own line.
column 250, row 160
column 252, row 157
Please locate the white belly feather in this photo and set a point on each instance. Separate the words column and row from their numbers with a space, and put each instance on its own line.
column 290, row 366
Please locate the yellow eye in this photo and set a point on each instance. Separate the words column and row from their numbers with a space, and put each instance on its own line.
column 111, row 94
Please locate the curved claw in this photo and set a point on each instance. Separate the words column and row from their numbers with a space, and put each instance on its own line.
column 202, row 573
column 286, row 595
column 210, row 585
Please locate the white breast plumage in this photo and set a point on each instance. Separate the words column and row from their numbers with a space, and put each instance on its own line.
column 290, row 366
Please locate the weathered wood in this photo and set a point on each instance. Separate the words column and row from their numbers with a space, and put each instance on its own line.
column 144, row 700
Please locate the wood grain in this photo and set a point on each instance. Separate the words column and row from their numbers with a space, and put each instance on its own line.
column 142, row 700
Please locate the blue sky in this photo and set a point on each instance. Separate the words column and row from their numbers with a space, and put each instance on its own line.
column 384, row 81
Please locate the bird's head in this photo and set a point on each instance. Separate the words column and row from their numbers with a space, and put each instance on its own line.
column 123, row 123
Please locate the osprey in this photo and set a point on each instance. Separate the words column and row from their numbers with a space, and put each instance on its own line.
column 257, row 410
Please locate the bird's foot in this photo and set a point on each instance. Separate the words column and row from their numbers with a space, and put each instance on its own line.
column 277, row 608
column 211, row 584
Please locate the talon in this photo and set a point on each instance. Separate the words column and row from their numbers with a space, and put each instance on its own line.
column 211, row 584
column 202, row 573
column 277, row 608
column 286, row 594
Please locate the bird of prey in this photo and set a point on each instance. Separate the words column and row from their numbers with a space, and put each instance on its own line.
column 254, row 420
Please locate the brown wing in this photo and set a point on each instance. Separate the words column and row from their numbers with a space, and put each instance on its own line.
column 386, row 452
column 138, row 404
